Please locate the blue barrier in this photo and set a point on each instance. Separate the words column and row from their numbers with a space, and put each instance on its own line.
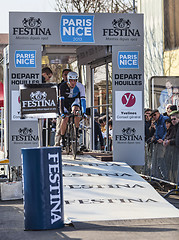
column 43, row 188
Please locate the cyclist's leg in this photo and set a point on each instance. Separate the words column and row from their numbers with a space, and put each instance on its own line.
column 77, row 121
column 63, row 127
column 75, row 110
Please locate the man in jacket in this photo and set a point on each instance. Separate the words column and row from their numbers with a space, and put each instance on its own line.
column 175, row 121
column 160, row 126
column 58, row 121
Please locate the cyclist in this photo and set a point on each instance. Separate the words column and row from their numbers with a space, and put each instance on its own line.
column 72, row 99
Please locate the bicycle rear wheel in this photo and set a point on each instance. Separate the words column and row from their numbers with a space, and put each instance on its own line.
column 74, row 141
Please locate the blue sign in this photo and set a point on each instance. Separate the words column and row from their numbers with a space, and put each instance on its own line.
column 75, row 28
column 128, row 60
column 25, row 59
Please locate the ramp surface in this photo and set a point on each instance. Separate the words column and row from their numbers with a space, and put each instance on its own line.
column 98, row 191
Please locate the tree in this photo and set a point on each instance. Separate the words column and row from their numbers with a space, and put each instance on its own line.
column 94, row 6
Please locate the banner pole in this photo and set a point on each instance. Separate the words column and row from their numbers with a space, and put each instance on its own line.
column 40, row 131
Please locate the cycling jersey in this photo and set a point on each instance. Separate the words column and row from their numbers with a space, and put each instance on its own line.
column 72, row 97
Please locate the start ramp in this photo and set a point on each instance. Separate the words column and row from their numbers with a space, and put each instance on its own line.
column 106, row 191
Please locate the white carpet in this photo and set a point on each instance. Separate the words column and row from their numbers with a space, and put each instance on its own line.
column 103, row 191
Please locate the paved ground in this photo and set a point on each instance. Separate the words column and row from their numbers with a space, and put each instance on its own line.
column 12, row 227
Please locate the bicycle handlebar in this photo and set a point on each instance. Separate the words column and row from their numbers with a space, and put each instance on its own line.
column 75, row 115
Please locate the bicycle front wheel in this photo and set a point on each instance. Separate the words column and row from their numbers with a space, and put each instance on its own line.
column 74, row 141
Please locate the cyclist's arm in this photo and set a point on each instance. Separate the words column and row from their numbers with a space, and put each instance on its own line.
column 82, row 98
column 83, row 105
column 61, row 100
column 61, row 105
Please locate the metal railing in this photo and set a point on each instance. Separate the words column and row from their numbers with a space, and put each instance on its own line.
column 162, row 162
column 107, row 124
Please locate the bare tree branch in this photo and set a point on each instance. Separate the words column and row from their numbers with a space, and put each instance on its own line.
column 94, row 6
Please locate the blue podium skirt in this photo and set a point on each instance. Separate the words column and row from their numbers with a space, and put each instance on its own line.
column 43, row 188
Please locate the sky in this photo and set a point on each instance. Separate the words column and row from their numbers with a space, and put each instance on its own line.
column 23, row 6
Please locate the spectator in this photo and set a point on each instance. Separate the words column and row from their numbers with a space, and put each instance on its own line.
column 149, row 129
column 175, row 97
column 160, row 126
column 102, row 124
column 58, row 120
column 98, row 135
column 173, row 108
column 46, row 75
column 171, row 133
column 110, row 128
column 110, row 134
column 168, row 110
column 175, row 121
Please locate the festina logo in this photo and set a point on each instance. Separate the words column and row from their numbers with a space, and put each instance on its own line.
column 31, row 26
column 55, row 192
column 38, row 99
column 25, row 135
column 128, row 134
column 121, row 28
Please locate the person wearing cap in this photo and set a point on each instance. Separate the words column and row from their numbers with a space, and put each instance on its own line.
column 58, row 120
column 71, row 99
column 160, row 126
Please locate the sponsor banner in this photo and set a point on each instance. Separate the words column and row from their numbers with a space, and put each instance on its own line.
column 129, row 142
column 33, row 27
column 46, row 211
column 96, row 29
column 126, row 196
column 25, row 59
column 16, row 107
column 39, row 102
column 128, row 135
column 77, row 28
column 129, row 105
column 20, row 78
column 128, row 100
column 23, row 134
column 25, row 65
column 128, row 68
column 128, row 79
column 128, row 60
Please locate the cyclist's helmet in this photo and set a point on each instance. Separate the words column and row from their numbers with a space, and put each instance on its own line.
column 72, row 75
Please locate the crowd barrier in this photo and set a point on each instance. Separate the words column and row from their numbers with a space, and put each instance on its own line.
column 162, row 162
